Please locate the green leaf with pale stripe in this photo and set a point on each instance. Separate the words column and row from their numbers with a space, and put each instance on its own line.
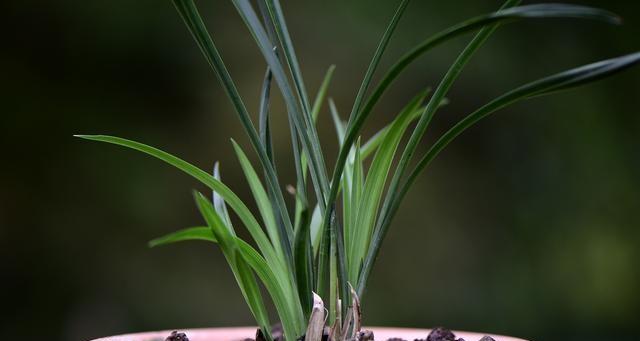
column 218, row 202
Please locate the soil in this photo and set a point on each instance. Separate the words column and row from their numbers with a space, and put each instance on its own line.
column 437, row 334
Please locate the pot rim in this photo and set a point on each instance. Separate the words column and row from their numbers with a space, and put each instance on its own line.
column 241, row 333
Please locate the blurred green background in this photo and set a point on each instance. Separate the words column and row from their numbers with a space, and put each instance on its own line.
column 528, row 225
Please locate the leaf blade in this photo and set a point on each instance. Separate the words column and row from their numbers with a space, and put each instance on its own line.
column 244, row 277
column 277, row 236
column 548, row 85
column 433, row 41
column 191, row 233
column 190, row 15
column 227, row 194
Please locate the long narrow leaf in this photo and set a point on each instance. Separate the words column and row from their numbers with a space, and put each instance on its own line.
column 192, row 233
column 375, row 61
column 305, row 129
column 374, row 186
column 291, row 317
column 505, row 15
column 432, row 106
column 280, row 27
column 242, row 273
column 264, row 206
column 538, row 11
column 322, row 93
column 357, row 193
column 334, row 182
column 304, row 159
column 374, row 141
column 218, row 202
column 231, row 198
column 265, row 129
column 189, row 13
column 338, row 123
column 303, row 257
column 549, row 85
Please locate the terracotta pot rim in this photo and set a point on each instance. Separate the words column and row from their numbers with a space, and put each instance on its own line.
column 241, row 333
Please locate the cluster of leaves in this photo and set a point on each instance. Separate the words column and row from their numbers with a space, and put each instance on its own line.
column 312, row 256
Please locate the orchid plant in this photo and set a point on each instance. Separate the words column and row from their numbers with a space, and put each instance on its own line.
column 314, row 253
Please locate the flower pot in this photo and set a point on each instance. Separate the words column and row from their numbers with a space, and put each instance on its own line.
column 242, row 333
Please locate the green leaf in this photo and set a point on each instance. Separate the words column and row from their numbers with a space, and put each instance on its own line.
column 505, row 15
column 432, row 106
column 515, row 13
column 336, row 177
column 192, row 233
column 339, row 124
column 545, row 86
column 244, row 277
column 374, row 186
column 375, row 61
column 304, row 263
column 301, row 203
column 302, row 119
column 357, row 188
column 280, row 27
column 315, row 228
column 561, row 81
column 372, row 144
column 322, row 93
column 265, row 130
column 218, row 202
column 291, row 316
column 221, row 233
column 263, row 118
column 190, row 15
column 278, row 237
column 231, row 198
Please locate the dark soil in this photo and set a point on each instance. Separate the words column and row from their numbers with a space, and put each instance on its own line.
column 437, row 334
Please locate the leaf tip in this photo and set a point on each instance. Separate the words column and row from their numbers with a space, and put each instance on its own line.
column 234, row 143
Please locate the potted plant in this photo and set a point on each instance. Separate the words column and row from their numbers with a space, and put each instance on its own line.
column 314, row 254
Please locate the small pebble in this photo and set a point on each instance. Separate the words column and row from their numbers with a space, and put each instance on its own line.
column 175, row 336
column 441, row 334
column 260, row 336
column 365, row 335
column 487, row 338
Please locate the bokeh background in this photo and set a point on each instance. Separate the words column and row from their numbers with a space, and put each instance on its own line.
column 528, row 225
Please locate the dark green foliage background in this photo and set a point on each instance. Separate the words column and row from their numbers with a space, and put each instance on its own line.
column 528, row 225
